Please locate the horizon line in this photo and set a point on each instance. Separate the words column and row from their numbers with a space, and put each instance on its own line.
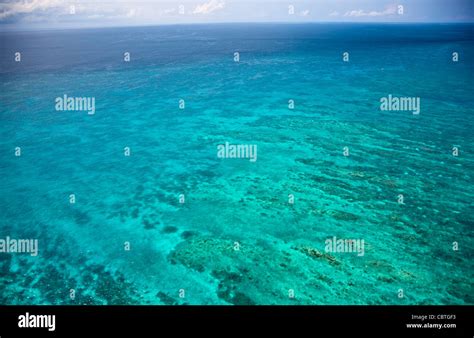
column 32, row 29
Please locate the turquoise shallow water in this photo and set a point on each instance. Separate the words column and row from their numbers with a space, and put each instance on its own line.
column 191, row 246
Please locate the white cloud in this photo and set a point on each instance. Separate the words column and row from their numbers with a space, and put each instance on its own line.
column 361, row 13
column 209, row 7
column 305, row 12
column 131, row 13
column 34, row 10
column 335, row 13
column 27, row 7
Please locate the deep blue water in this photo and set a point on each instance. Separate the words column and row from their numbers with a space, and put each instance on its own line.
column 281, row 246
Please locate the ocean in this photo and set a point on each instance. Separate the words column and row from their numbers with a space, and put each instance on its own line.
column 131, row 204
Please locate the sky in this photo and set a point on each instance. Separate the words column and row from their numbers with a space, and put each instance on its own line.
column 57, row 14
